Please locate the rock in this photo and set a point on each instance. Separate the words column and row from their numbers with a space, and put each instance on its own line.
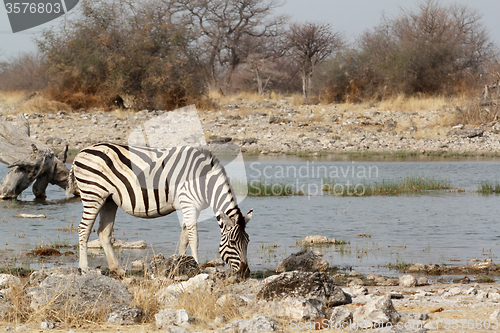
column 138, row 264
column 174, row 266
column 305, row 260
column 418, row 267
column 126, row 316
column 21, row 328
column 168, row 317
column 405, row 316
column 318, row 240
column 80, row 293
column 495, row 316
column 259, row 323
column 389, row 282
column 340, row 315
column 466, row 133
column 422, row 281
column 298, row 308
column 220, row 319
column 354, row 273
column 249, row 141
column 141, row 244
column 170, row 295
column 47, row 325
column 176, row 329
column 7, row 281
column 303, row 284
column 358, row 290
column 219, row 139
column 230, row 300
column 38, row 276
column 407, row 281
column 373, row 277
column 390, row 125
column 355, row 282
column 379, row 311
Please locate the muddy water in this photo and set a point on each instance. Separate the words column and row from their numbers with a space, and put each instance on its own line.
column 445, row 227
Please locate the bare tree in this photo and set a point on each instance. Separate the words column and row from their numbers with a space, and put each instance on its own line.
column 309, row 44
column 224, row 24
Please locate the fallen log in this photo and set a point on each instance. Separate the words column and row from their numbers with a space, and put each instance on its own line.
column 30, row 162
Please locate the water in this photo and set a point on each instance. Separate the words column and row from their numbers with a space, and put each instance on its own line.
column 445, row 227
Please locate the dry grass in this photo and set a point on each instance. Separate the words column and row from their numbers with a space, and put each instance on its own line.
column 23, row 103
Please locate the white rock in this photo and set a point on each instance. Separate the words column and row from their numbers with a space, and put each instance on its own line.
column 298, row 308
column 407, row 281
column 380, row 311
column 495, row 315
column 47, row 325
column 7, row 281
column 176, row 329
column 340, row 315
column 259, row 323
column 168, row 317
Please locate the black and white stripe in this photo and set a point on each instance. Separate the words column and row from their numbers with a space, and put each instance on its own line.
column 149, row 183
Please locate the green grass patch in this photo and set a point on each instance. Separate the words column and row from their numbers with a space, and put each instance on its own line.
column 407, row 185
column 487, row 187
column 16, row 271
column 53, row 245
column 399, row 265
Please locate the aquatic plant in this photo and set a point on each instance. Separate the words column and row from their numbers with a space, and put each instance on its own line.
column 487, row 187
column 407, row 185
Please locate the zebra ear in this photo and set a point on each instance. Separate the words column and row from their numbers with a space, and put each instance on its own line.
column 224, row 220
column 248, row 216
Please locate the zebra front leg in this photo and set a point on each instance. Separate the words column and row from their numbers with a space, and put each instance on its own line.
column 106, row 221
column 184, row 240
column 190, row 215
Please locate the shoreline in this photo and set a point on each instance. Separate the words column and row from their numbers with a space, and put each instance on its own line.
column 278, row 128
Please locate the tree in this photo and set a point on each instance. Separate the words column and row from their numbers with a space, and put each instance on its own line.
column 308, row 45
column 223, row 25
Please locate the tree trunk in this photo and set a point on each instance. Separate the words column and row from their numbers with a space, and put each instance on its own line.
column 30, row 161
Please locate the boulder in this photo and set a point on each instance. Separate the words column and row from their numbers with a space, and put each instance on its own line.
column 168, row 317
column 298, row 308
column 305, row 261
column 126, row 316
column 170, row 295
column 47, row 325
column 7, row 281
column 38, row 276
column 259, row 323
column 379, row 311
column 174, row 266
column 339, row 316
column 80, row 293
column 407, row 281
column 466, row 132
column 316, row 240
column 303, row 284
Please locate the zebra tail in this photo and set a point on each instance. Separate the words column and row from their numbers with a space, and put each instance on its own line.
column 72, row 187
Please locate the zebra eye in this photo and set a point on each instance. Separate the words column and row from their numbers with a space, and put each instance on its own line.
column 232, row 243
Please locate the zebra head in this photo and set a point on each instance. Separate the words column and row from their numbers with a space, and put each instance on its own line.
column 234, row 241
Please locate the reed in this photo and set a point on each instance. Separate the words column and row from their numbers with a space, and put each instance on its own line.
column 264, row 188
column 487, row 187
column 407, row 185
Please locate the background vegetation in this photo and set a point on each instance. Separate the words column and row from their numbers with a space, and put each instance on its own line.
column 162, row 54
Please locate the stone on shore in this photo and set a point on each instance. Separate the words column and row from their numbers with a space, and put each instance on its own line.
column 379, row 311
column 305, row 260
column 259, row 323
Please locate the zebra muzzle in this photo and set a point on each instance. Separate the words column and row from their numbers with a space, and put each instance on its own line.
column 244, row 271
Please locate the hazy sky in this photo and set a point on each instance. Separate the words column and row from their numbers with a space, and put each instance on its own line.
column 352, row 17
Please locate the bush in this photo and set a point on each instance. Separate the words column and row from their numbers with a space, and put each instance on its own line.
column 432, row 50
column 112, row 49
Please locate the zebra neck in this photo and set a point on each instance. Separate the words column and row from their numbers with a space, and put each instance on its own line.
column 221, row 196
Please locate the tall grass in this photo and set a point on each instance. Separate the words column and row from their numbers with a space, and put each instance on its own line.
column 407, row 185
column 264, row 188
column 487, row 187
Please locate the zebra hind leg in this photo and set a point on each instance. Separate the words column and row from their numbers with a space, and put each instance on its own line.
column 84, row 229
column 106, row 221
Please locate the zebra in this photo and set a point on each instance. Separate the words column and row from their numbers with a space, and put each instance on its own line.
column 153, row 182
